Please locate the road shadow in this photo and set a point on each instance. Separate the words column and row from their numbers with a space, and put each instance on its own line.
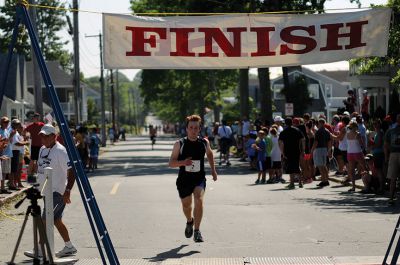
column 354, row 202
column 172, row 254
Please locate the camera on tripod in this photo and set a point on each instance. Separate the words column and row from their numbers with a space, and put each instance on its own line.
column 34, row 194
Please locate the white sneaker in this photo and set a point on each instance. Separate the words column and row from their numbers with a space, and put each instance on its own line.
column 31, row 254
column 66, row 251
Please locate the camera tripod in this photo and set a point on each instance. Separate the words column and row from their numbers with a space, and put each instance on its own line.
column 38, row 229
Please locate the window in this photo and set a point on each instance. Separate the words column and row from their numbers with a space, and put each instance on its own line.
column 313, row 89
column 13, row 112
column 328, row 90
column 277, row 91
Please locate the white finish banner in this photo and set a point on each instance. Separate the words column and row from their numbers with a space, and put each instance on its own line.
column 242, row 41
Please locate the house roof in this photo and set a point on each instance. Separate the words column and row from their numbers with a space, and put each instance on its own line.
column 11, row 83
column 59, row 77
column 338, row 75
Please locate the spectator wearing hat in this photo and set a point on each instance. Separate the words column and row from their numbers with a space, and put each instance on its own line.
column 53, row 154
column 36, row 143
column 278, row 120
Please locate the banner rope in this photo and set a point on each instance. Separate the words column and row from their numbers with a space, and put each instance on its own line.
column 24, row 2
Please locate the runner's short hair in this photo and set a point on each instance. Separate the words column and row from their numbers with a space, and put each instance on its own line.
column 193, row 118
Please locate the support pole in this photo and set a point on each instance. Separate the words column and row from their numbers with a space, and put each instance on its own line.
column 77, row 81
column 37, row 81
column 85, row 189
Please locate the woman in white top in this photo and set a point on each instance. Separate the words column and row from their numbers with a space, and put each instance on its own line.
column 276, row 156
column 354, row 152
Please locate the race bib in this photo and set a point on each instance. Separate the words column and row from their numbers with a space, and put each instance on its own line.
column 194, row 167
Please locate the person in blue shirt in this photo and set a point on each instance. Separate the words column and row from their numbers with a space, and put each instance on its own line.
column 261, row 146
column 251, row 152
column 93, row 149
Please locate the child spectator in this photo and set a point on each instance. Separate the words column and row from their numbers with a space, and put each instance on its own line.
column 93, row 150
column 260, row 146
column 371, row 181
column 251, row 152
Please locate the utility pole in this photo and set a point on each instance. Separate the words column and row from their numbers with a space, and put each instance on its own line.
column 117, row 99
column 77, row 82
column 37, row 81
column 112, row 99
column 103, row 104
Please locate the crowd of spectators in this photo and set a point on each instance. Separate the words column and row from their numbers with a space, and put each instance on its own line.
column 20, row 144
column 306, row 147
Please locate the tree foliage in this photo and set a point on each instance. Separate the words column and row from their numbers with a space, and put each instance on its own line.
column 129, row 104
column 49, row 24
column 368, row 65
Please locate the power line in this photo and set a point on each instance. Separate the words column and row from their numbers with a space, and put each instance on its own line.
column 194, row 14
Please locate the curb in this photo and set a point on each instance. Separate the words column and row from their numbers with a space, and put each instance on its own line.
column 339, row 180
column 10, row 197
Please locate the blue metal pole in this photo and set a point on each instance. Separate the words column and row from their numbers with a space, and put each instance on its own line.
column 9, row 57
column 85, row 189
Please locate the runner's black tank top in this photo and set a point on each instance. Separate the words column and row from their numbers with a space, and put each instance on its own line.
column 196, row 150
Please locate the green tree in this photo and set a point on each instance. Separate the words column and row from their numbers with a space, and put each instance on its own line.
column 49, row 24
column 92, row 110
column 392, row 59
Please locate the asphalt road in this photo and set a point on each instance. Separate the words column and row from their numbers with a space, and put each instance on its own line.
column 138, row 200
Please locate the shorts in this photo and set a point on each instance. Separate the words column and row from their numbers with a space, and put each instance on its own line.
column 261, row 165
column 379, row 160
column 35, row 152
column 355, row 156
column 58, row 206
column 225, row 144
column 293, row 165
column 320, row 156
column 336, row 152
column 394, row 166
column 186, row 189
column 276, row 165
column 343, row 154
column 6, row 166
column 15, row 161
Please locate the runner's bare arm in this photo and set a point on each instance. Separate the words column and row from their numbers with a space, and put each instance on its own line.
column 173, row 160
column 210, row 158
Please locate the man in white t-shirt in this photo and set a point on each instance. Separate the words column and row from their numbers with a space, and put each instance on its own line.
column 53, row 154
column 225, row 133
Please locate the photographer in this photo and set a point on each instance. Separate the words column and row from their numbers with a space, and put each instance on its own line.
column 53, row 154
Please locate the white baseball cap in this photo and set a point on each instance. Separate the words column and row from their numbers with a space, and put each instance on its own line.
column 278, row 118
column 48, row 129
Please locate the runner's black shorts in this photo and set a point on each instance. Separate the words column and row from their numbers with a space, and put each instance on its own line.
column 186, row 189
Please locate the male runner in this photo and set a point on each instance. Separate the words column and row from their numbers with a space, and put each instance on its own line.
column 188, row 154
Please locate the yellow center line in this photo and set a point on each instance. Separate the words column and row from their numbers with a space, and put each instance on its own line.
column 114, row 188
